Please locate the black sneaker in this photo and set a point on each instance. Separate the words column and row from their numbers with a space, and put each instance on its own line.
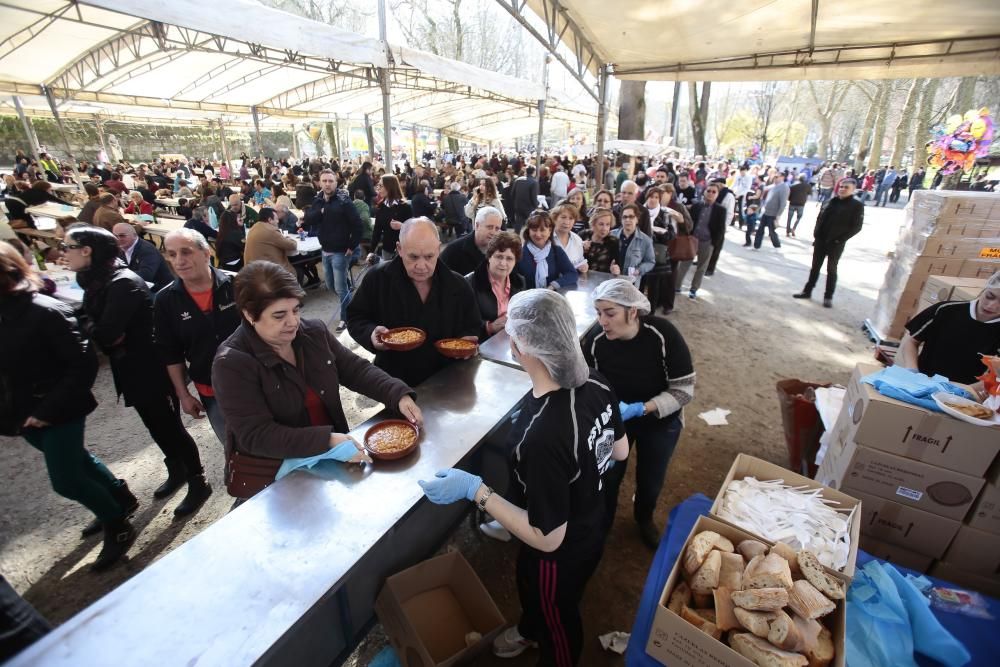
column 649, row 534
column 828, row 303
column 802, row 295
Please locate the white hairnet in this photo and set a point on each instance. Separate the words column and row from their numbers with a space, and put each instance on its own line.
column 624, row 293
column 994, row 281
column 541, row 324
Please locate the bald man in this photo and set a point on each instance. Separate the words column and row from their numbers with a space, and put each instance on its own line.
column 413, row 289
column 142, row 257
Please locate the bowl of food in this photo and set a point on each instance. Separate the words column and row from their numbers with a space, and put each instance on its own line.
column 966, row 410
column 403, row 339
column 456, row 348
column 391, row 439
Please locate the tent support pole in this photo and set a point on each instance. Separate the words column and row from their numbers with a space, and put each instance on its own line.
column 100, row 135
column 414, row 161
column 383, row 77
column 62, row 133
column 541, row 115
column 28, row 130
column 256, row 133
column 371, row 138
column 675, row 117
column 602, row 123
column 340, row 145
column 441, row 150
column 225, row 148
column 295, row 142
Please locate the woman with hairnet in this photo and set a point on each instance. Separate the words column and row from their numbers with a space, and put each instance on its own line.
column 948, row 337
column 647, row 363
column 563, row 442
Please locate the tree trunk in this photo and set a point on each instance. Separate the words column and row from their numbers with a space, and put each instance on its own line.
column 785, row 143
column 904, row 124
column 456, row 12
column 699, row 113
column 924, row 113
column 875, row 157
column 965, row 95
column 331, row 134
column 632, row 110
column 864, row 144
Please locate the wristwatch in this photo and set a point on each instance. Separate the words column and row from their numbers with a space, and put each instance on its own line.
column 482, row 501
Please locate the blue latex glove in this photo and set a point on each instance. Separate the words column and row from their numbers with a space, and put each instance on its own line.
column 451, row 485
column 630, row 410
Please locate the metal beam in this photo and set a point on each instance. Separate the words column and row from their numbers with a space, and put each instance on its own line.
column 812, row 24
column 62, row 133
column 256, row 132
column 386, row 90
column 602, row 124
column 558, row 23
column 225, row 147
column 28, row 130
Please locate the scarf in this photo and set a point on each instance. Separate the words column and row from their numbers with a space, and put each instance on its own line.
column 540, row 255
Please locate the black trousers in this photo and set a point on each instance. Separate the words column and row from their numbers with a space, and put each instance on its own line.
column 20, row 623
column 550, row 589
column 831, row 252
column 740, row 201
column 659, row 283
column 654, row 441
column 716, row 251
column 162, row 418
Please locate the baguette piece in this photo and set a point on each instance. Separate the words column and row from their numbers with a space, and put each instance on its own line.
column 770, row 571
column 731, row 571
column 809, row 629
column 757, row 622
column 808, row 602
column 725, row 616
column 783, row 632
column 763, row 654
column 698, row 550
column 827, row 584
column 790, row 555
column 680, row 597
column 707, row 614
column 761, row 599
column 694, row 619
column 723, row 544
column 706, row 579
column 750, row 548
column 824, row 652
column 711, row 630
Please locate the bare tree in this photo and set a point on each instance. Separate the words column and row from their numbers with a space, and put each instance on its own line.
column 341, row 13
column 826, row 110
column 882, row 105
column 786, row 142
column 632, row 110
column 905, row 122
column 864, row 144
column 764, row 102
column 925, row 114
column 699, row 114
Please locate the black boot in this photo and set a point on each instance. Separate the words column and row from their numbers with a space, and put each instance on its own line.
column 176, row 476
column 126, row 500
column 118, row 537
column 198, row 492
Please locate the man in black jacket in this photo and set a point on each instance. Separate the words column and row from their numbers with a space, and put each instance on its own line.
column 334, row 220
column 413, row 290
column 193, row 316
column 837, row 222
column 464, row 254
column 142, row 257
column 524, row 192
column 453, row 208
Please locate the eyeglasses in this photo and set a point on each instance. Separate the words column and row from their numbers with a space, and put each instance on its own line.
column 65, row 246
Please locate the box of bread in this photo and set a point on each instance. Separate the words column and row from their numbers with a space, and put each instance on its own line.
column 732, row 599
column 778, row 505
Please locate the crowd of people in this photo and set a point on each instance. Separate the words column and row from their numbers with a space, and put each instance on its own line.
column 210, row 325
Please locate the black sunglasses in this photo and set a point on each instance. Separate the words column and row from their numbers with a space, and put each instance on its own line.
column 64, row 247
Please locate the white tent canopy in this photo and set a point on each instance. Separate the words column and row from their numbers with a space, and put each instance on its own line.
column 757, row 40
column 180, row 64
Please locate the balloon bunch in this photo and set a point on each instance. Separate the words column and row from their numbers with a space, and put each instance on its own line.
column 960, row 140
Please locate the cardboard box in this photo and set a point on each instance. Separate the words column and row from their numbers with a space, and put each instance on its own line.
column 946, row 288
column 906, row 481
column 919, row 532
column 959, row 205
column 979, row 268
column 985, row 514
column 428, row 609
column 960, row 247
column 750, row 466
column 907, row 430
column 975, row 551
column 896, row 555
column 963, row 579
column 674, row 641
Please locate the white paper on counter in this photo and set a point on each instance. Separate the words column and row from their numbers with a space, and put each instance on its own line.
column 716, row 417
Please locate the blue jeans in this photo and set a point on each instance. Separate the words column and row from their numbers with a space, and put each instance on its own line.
column 797, row 211
column 767, row 222
column 335, row 267
column 654, row 441
column 215, row 417
column 881, row 194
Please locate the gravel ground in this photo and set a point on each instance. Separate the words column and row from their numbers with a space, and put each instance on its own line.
column 745, row 333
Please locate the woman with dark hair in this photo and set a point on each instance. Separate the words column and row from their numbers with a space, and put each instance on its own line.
column 390, row 214
column 363, row 182
column 544, row 264
column 273, row 347
column 49, row 368
column 495, row 281
column 230, row 242
column 484, row 194
column 545, row 184
column 577, row 199
column 119, row 309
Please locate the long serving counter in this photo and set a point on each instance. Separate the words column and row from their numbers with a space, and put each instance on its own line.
column 497, row 348
column 290, row 578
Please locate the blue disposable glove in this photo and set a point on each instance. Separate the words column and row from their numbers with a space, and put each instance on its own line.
column 630, row 410
column 451, row 485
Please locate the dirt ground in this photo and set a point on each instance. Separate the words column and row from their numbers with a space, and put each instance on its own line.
column 745, row 333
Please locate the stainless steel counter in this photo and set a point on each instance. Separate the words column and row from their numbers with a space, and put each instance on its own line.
column 290, row 576
column 497, row 348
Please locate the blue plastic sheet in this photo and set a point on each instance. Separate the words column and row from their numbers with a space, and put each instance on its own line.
column 912, row 387
column 343, row 452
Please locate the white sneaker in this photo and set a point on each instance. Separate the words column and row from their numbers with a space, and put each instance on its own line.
column 510, row 643
column 495, row 530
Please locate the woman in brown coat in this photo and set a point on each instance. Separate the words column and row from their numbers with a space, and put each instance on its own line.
column 277, row 380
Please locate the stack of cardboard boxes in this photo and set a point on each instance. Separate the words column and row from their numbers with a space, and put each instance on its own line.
column 921, row 477
column 946, row 233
